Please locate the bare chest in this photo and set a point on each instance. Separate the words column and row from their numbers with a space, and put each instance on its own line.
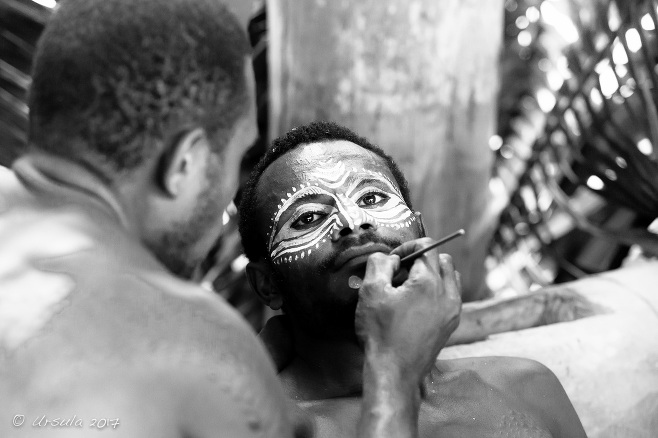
column 444, row 415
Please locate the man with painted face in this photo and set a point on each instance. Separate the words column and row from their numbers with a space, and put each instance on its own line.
column 325, row 219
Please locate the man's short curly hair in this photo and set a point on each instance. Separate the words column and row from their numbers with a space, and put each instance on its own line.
column 253, row 242
column 112, row 78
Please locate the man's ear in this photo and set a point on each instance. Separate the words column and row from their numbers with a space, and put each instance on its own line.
column 421, row 226
column 261, row 282
column 184, row 160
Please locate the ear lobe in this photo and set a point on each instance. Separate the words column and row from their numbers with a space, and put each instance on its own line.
column 260, row 280
column 181, row 161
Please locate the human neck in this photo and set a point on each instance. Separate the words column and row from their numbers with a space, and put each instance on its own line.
column 44, row 172
column 323, row 367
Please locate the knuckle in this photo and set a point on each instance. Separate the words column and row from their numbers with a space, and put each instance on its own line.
column 424, row 241
column 429, row 286
column 433, row 281
column 378, row 257
column 427, row 277
column 374, row 283
column 381, row 260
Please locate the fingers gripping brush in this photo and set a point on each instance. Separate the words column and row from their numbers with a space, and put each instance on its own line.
column 355, row 282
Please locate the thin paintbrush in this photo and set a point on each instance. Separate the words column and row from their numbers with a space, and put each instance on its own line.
column 408, row 260
column 355, row 282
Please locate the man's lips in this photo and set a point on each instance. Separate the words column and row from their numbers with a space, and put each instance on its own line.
column 357, row 255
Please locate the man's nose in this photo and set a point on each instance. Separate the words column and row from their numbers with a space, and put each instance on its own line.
column 346, row 230
column 352, row 219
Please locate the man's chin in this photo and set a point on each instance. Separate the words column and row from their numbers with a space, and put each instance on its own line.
column 179, row 268
column 342, row 283
column 174, row 256
column 335, row 330
column 327, row 320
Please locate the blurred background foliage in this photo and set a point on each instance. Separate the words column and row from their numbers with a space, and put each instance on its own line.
column 576, row 167
column 575, row 179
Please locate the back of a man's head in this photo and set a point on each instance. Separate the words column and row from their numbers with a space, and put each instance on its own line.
column 114, row 79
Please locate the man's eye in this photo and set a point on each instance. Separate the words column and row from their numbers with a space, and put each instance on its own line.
column 372, row 199
column 307, row 219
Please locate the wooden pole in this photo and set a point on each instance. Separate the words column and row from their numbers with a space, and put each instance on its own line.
column 417, row 77
column 242, row 9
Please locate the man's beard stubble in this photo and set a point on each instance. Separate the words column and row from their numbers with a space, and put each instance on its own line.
column 175, row 246
column 363, row 238
column 328, row 319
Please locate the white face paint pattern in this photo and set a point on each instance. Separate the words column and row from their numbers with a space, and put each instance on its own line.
column 346, row 188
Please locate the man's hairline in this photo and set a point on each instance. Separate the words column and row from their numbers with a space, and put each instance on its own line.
column 256, row 188
column 324, row 140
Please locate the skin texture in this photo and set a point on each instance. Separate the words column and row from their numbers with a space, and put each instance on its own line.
column 295, row 246
column 346, row 216
column 101, row 323
column 337, row 361
column 177, row 211
column 120, row 337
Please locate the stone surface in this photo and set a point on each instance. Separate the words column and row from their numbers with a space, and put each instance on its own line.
column 608, row 363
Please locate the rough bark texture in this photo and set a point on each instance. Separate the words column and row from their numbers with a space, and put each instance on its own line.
column 417, row 77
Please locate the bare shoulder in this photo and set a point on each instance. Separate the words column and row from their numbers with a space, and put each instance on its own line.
column 529, row 382
column 505, row 373
column 165, row 360
column 100, row 329
column 215, row 365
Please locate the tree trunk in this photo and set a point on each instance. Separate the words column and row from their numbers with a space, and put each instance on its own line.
column 417, row 77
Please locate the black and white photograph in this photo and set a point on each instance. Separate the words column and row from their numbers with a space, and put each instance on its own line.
column 329, row 218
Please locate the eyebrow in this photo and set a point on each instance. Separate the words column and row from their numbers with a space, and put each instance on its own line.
column 357, row 183
column 303, row 199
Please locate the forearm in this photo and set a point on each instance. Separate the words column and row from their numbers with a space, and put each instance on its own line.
column 391, row 401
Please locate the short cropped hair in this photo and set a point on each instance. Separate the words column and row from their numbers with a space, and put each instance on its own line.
column 112, row 78
column 253, row 243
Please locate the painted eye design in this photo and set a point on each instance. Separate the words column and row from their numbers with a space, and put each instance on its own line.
column 372, row 199
column 306, row 219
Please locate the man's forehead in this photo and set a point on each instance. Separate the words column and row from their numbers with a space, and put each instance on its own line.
column 312, row 162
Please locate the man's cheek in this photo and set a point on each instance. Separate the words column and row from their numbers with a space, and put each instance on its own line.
column 295, row 277
column 302, row 266
column 301, row 249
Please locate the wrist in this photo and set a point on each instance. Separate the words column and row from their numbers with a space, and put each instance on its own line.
column 391, row 400
column 381, row 362
column 387, row 377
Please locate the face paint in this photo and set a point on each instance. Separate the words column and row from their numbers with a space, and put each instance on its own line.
column 306, row 199
column 333, row 198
